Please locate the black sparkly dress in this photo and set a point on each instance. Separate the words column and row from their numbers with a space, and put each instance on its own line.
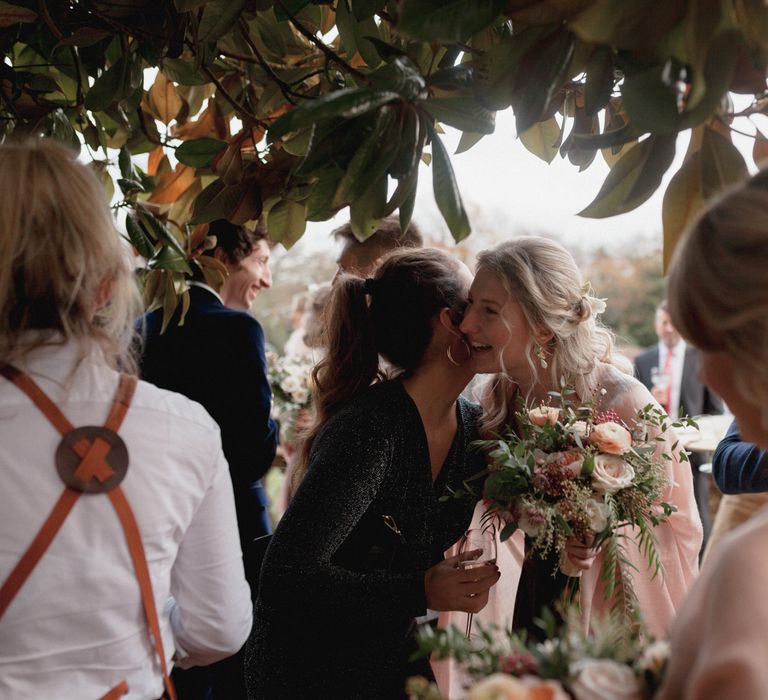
column 343, row 577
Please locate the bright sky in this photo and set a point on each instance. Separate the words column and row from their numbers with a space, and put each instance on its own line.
column 507, row 189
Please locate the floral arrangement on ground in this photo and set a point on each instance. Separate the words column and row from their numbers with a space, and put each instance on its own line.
column 606, row 663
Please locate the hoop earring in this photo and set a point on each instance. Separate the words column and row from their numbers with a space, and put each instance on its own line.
column 464, row 349
column 541, row 355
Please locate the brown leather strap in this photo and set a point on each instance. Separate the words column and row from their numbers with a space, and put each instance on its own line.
column 136, row 548
column 38, row 397
column 118, row 691
column 92, row 455
column 39, row 545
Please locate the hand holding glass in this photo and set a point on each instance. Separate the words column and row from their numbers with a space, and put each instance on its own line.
column 485, row 540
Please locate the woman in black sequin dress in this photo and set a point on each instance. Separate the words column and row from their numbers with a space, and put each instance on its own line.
column 359, row 552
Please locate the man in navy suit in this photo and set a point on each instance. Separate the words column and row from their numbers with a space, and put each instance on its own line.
column 216, row 357
column 670, row 371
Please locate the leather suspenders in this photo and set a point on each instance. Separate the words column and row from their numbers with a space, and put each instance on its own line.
column 91, row 459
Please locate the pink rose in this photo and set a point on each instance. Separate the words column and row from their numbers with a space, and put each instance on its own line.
column 611, row 474
column 571, row 460
column 611, row 437
column 541, row 415
column 603, row 679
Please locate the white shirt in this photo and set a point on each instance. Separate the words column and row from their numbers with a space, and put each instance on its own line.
column 76, row 628
column 678, row 360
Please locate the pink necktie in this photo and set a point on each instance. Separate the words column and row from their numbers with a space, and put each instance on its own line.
column 668, row 375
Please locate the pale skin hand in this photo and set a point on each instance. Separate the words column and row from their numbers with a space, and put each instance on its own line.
column 582, row 554
column 466, row 590
column 659, row 394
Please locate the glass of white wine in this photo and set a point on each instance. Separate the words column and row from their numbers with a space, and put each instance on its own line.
column 478, row 538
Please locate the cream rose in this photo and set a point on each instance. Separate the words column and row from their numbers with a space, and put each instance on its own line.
column 531, row 520
column 579, row 429
column 572, row 460
column 603, row 679
column 499, row 686
column 654, row 656
column 611, row 438
column 597, row 513
column 541, row 415
column 611, row 474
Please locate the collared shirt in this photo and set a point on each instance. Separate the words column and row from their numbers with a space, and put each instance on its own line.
column 203, row 285
column 678, row 360
column 76, row 628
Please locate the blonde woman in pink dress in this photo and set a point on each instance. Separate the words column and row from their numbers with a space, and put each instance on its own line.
column 719, row 301
column 530, row 322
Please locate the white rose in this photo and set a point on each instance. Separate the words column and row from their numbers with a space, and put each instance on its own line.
column 603, row 679
column 597, row 513
column 301, row 396
column 499, row 686
column 611, row 474
column 531, row 520
column 290, row 384
column 654, row 656
column 579, row 428
column 611, row 437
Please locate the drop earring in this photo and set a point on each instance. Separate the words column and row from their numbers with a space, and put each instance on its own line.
column 541, row 355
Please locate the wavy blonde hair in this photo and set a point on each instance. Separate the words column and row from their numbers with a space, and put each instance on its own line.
column 58, row 246
column 717, row 288
column 543, row 278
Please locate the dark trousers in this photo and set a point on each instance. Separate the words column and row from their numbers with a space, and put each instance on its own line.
column 701, row 493
column 224, row 680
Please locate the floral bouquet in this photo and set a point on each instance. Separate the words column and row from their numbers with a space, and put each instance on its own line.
column 290, row 377
column 604, row 664
column 570, row 471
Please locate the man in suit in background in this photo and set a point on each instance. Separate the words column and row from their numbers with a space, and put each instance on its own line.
column 670, row 370
column 217, row 359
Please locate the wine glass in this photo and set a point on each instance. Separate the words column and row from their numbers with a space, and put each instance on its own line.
column 478, row 538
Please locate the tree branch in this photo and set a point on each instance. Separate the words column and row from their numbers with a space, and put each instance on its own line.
column 330, row 53
column 284, row 87
column 49, row 20
column 239, row 107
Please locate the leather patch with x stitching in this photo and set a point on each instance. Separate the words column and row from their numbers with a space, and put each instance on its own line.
column 92, row 459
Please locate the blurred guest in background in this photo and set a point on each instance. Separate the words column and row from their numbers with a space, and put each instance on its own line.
column 670, row 370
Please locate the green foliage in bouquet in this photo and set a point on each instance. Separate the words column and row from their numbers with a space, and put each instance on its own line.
column 567, row 470
column 570, row 663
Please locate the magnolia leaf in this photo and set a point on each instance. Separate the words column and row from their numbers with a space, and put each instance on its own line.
column 365, row 213
column 600, row 80
column 107, row 88
column 168, row 259
column 158, row 231
column 682, row 200
column 218, row 18
column 467, row 140
column 124, row 163
column 542, row 72
column 347, row 103
column 14, row 14
column 198, row 153
column 544, row 11
column 138, row 237
column 634, row 178
column 722, row 164
column 651, row 102
column 169, row 300
column 345, row 24
column 371, row 160
column 164, row 99
column 286, row 222
column 449, row 20
column 462, row 113
column 406, row 209
column 84, row 36
column 170, row 185
column 446, row 191
column 760, row 149
column 187, row 5
column 543, row 139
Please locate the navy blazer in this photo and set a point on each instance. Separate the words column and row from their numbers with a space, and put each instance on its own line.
column 738, row 466
column 695, row 398
column 217, row 359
